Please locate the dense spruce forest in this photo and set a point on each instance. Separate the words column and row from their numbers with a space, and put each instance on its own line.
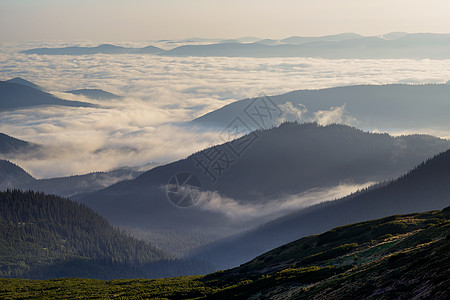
column 46, row 236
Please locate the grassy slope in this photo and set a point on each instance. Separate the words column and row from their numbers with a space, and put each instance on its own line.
column 405, row 256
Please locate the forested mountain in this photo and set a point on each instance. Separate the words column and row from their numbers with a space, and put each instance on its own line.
column 14, row 177
column 289, row 160
column 403, row 256
column 45, row 236
column 14, row 95
column 400, row 107
column 424, row 188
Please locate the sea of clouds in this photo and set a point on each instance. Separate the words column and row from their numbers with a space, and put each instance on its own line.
column 160, row 94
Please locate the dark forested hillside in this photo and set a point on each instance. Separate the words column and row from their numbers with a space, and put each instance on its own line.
column 397, row 257
column 45, row 236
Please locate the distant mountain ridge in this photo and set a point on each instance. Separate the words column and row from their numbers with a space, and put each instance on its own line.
column 346, row 45
column 14, row 177
column 383, row 107
column 101, row 49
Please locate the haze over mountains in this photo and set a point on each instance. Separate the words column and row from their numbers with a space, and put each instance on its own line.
column 424, row 188
column 283, row 167
column 386, row 107
column 288, row 167
column 347, row 45
column 12, row 176
column 103, row 49
column 18, row 95
column 45, row 236
column 10, row 146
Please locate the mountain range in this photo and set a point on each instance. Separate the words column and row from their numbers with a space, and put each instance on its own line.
column 294, row 165
column 14, row 177
column 390, row 107
column 347, row 45
column 101, row 49
column 18, row 95
column 423, row 188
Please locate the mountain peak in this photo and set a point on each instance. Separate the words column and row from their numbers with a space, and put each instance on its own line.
column 25, row 82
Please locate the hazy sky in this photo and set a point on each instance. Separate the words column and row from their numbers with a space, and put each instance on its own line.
column 102, row 20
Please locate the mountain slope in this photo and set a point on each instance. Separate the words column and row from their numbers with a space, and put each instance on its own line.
column 383, row 107
column 47, row 236
column 402, row 257
column 282, row 168
column 423, row 188
column 10, row 145
column 13, row 95
column 94, row 94
column 11, row 175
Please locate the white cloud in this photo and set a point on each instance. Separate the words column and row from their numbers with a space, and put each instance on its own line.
column 161, row 92
column 292, row 112
column 213, row 201
column 335, row 115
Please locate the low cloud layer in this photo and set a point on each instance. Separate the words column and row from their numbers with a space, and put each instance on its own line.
column 299, row 112
column 213, row 201
column 160, row 93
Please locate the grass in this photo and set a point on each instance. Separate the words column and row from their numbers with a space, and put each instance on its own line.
column 399, row 256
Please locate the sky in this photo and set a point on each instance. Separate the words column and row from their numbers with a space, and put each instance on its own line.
column 143, row 20
column 161, row 92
